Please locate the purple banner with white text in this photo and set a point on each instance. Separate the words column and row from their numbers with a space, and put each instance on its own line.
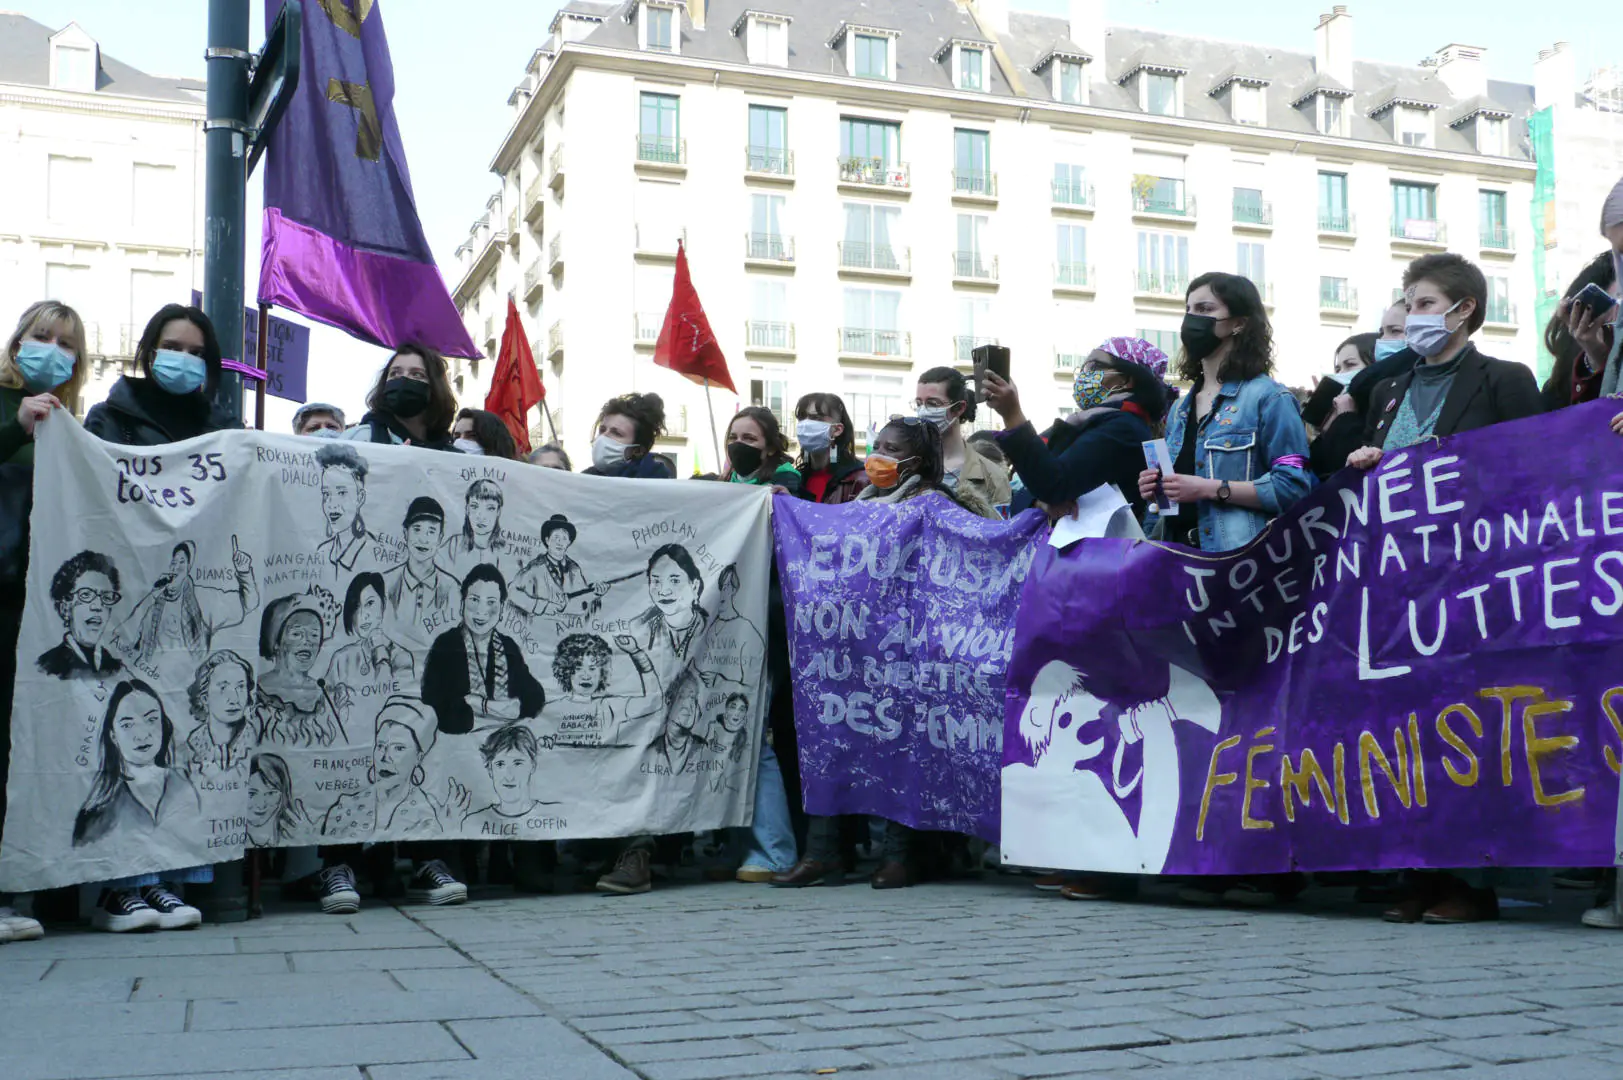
column 1419, row 666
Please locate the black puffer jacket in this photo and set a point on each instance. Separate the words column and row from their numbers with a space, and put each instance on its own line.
column 139, row 413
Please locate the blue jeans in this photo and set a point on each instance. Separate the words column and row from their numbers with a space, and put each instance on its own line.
column 192, row 875
column 771, row 840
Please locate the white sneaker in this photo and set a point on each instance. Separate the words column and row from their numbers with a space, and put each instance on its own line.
column 173, row 913
column 15, row 927
column 122, row 910
column 1603, row 917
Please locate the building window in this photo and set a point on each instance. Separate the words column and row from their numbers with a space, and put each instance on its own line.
column 970, row 260
column 1335, row 293
column 872, row 323
column 1499, row 307
column 1414, row 211
column 769, row 318
column 1071, row 184
column 1493, row 222
column 870, row 237
column 1413, row 126
column 971, row 69
column 1332, row 115
column 972, row 162
column 1165, row 340
column 1333, row 203
column 872, row 399
column 67, row 284
column 1249, row 208
column 1248, row 104
column 1163, row 263
column 769, row 389
column 660, row 130
column 152, row 195
column 68, row 191
column 872, row 59
column 767, row 41
column 769, row 139
column 974, row 327
column 1071, row 254
column 872, row 140
column 1248, row 263
column 1161, row 94
column 1493, row 136
column 1070, row 82
column 75, row 68
column 766, row 227
column 657, row 26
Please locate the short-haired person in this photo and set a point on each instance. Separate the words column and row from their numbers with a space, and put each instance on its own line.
column 476, row 677
column 483, row 433
column 319, row 420
column 945, row 399
column 829, row 465
column 757, row 452
column 1241, row 471
column 1119, row 399
column 1342, row 430
column 551, row 456
column 411, row 402
column 627, row 427
column 1453, row 387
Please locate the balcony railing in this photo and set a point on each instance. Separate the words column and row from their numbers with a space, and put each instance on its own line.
column 855, row 255
column 1497, row 238
column 974, row 183
column 1337, row 297
column 662, row 149
column 1072, row 193
column 1337, row 221
column 535, row 203
column 1076, row 275
column 875, row 172
column 555, row 165
column 1253, row 212
column 860, row 341
column 555, row 251
column 769, row 247
column 1180, row 205
column 534, row 275
column 965, row 346
column 769, row 161
column 646, row 325
column 1501, row 313
column 974, row 266
column 1155, row 284
column 1424, row 230
column 770, row 335
column 1069, row 361
column 555, row 338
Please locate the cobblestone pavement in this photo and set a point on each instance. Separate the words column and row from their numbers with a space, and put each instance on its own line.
column 980, row 980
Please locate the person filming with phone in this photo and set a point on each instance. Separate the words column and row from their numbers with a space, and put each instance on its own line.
column 944, row 400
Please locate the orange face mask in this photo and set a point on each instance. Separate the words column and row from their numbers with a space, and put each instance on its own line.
column 884, row 471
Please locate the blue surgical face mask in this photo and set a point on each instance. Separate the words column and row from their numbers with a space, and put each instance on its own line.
column 1429, row 335
column 1384, row 348
column 44, row 365
column 179, row 373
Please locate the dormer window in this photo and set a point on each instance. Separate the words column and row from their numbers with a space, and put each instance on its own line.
column 74, row 60
column 870, row 52
column 659, row 26
column 1245, row 97
column 1066, row 74
column 968, row 63
column 570, row 26
column 1408, row 120
column 1159, row 89
column 1332, row 115
column 1493, row 136
column 766, row 37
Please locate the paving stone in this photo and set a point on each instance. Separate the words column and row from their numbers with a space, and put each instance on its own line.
column 1406, row 1060
column 531, row 1038
column 347, row 960
column 845, row 1038
column 1503, row 1049
column 1485, row 1027
column 319, row 1010
column 1103, row 1038
column 1219, row 1050
column 1364, row 1036
column 799, row 1061
column 1221, row 1027
column 1113, row 1062
column 286, row 985
column 686, row 1032
column 979, row 1046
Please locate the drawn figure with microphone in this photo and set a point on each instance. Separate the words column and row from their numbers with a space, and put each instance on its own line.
column 293, row 708
column 172, row 628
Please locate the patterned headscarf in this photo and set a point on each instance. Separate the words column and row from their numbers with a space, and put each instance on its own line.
column 1138, row 351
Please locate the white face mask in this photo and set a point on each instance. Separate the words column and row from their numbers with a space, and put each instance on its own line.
column 468, row 446
column 939, row 415
column 325, row 433
column 813, row 435
column 606, row 453
column 1429, row 335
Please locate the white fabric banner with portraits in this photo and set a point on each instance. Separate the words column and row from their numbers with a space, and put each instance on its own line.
column 262, row 640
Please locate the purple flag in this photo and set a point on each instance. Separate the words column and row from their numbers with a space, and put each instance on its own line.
column 1420, row 666
column 342, row 242
column 900, row 623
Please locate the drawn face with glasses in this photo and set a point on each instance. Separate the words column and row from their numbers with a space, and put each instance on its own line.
column 88, row 607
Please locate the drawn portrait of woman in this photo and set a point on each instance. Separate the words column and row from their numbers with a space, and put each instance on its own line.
column 138, row 788
column 219, row 698
column 481, row 539
column 371, row 664
column 587, row 714
column 680, row 737
column 292, row 707
column 272, row 818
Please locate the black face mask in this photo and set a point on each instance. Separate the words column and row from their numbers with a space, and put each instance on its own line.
column 1199, row 336
column 746, row 459
column 405, row 398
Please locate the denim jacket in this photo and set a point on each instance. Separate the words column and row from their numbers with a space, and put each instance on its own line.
column 1254, row 432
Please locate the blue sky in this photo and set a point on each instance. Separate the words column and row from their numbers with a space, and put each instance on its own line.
column 456, row 63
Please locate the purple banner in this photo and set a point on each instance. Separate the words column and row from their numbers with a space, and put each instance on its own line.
column 901, row 619
column 1421, row 666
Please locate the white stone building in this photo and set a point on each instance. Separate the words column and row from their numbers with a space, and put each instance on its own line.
column 869, row 188
column 101, row 188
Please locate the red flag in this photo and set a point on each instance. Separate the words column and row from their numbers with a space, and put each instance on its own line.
column 686, row 344
column 516, row 386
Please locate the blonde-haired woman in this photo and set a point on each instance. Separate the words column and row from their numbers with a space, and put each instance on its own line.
column 42, row 368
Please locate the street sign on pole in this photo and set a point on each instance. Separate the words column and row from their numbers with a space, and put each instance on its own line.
column 287, row 353
column 275, row 77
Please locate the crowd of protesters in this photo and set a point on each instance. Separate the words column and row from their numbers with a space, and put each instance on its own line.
column 1418, row 376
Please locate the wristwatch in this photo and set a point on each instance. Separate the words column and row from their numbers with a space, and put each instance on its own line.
column 1223, row 492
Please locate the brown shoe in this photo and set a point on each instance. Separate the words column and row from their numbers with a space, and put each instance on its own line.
column 892, row 874
column 1420, row 893
column 631, row 874
column 1464, row 905
column 809, row 871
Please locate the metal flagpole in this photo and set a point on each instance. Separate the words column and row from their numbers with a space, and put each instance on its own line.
column 715, row 440
column 261, row 356
column 547, row 411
